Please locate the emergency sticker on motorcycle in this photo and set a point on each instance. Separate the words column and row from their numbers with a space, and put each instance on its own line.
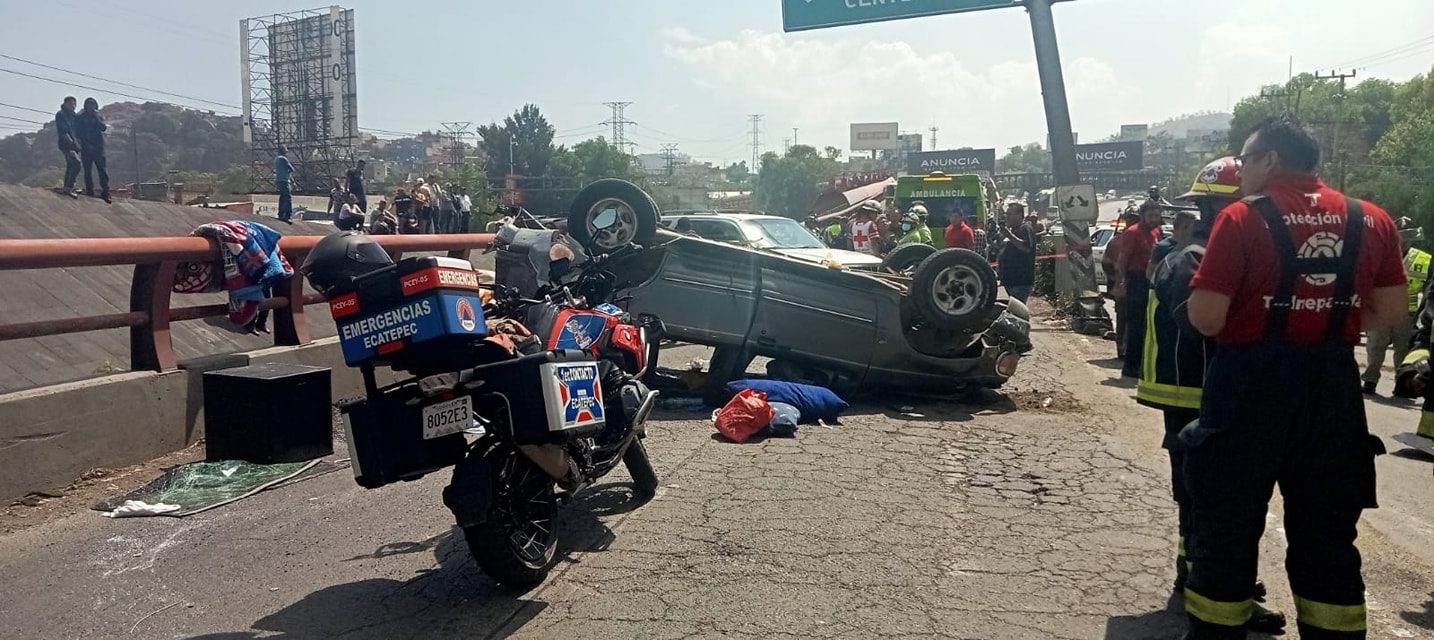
column 412, row 321
column 574, row 395
column 579, row 331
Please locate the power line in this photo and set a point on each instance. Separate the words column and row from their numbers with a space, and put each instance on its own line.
column 22, row 120
column 16, row 106
column 116, row 82
column 1362, row 60
column 1405, row 56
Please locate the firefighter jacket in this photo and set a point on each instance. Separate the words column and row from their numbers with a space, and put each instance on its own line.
column 1173, row 363
column 1416, row 265
column 1417, row 363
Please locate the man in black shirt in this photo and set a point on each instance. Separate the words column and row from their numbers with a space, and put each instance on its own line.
column 1016, row 266
column 90, row 128
column 355, row 178
column 68, row 142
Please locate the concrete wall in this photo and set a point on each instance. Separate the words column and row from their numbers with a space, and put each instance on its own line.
column 51, row 435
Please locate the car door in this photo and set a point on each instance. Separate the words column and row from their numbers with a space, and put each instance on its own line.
column 814, row 314
column 702, row 291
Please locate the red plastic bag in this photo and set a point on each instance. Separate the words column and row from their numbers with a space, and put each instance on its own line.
column 746, row 414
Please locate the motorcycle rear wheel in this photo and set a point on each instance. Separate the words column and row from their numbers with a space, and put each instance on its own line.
column 517, row 544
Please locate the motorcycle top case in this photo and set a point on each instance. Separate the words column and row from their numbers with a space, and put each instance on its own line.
column 548, row 397
column 420, row 314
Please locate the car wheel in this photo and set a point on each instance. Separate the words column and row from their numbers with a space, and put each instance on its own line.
column 954, row 289
column 906, row 257
column 611, row 214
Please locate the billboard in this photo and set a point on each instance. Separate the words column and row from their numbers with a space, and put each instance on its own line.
column 952, row 161
column 1111, row 156
column 874, row 136
column 311, row 74
column 1134, row 132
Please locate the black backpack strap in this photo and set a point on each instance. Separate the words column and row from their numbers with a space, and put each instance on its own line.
column 1348, row 265
column 1279, row 316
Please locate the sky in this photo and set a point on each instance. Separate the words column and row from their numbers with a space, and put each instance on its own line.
column 695, row 71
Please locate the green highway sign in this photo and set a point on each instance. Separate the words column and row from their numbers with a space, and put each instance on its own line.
column 800, row 15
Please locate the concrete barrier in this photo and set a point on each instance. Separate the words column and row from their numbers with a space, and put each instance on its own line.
column 51, row 435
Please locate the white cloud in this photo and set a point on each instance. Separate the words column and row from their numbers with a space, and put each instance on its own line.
column 1237, row 58
column 823, row 85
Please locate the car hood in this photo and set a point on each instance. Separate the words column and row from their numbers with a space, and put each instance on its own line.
column 851, row 259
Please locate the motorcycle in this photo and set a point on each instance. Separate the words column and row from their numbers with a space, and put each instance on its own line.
column 526, row 422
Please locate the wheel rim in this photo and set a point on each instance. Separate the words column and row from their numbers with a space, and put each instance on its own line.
column 623, row 230
column 529, row 505
column 956, row 290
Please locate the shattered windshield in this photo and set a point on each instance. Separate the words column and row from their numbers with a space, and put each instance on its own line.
column 780, row 233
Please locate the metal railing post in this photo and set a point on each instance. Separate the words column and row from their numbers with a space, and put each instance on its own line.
column 150, row 345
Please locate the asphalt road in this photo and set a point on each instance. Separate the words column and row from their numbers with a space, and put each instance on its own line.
column 1040, row 512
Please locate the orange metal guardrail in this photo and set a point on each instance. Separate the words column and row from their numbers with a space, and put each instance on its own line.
column 156, row 260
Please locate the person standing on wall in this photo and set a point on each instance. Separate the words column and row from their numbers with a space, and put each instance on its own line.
column 283, row 173
column 1137, row 243
column 1016, row 266
column 1290, row 277
column 69, row 143
column 91, row 129
column 354, row 177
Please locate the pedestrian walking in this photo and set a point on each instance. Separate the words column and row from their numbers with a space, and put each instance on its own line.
column 91, row 130
column 1176, row 355
column 1016, row 266
column 1137, row 243
column 1379, row 341
column 1290, row 276
column 69, row 143
column 354, row 177
column 283, row 173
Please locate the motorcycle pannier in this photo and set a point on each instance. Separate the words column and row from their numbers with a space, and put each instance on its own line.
column 422, row 315
column 543, row 398
column 386, row 439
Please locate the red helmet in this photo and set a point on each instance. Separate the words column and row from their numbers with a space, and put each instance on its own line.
column 1220, row 178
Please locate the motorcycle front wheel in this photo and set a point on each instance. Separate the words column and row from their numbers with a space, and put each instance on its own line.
column 644, row 479
column 517, row 544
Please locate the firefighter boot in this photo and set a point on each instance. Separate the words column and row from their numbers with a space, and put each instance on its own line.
column 1266, row 621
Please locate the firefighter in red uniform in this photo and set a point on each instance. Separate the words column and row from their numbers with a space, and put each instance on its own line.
column 1290, row 276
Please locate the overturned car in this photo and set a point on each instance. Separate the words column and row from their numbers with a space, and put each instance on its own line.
column 939, row 328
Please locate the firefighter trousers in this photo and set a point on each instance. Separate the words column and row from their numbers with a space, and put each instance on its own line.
column 1279, row 414
column 1175, row 420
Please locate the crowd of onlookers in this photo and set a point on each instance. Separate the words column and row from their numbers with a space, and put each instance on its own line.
column 425, row 206
column 81, row 139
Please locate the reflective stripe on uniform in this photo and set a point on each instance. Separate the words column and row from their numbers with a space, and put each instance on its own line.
column 1426, row 424
column 1414, row 356
column 1229, row 614
column 1168, row 395
column 1331, row 617
column 1416, row 264
column 1180, row 545
column 1152, row 343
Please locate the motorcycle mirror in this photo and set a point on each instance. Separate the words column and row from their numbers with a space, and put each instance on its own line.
column 606, row 219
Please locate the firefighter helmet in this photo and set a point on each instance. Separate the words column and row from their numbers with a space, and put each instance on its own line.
column 1220, row 178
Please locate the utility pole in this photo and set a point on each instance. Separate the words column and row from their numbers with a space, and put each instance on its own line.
column 1090, row 316
column 1337, row 144
column 756, row 120
column 1280, row 94
column 933, row 131
column 134, row 147
column 619, row 124
column 457, row 133
column 794, row 136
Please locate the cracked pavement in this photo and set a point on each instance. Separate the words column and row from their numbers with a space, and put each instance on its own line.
column 989, row 520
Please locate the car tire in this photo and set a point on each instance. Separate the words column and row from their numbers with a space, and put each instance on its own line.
column 636, row 210
column 954, row 289
column 906, row 257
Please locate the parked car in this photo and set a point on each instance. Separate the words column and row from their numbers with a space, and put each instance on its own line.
column 1100, row 238
column 779, row 235
column 943, row 329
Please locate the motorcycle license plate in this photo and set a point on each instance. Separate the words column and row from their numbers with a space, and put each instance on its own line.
column 447, row 418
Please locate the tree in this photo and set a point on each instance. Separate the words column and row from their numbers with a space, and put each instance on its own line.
column 788, row 185
column 739, row 173
column 1031, row 158
column 599, row 159
column 531, row 139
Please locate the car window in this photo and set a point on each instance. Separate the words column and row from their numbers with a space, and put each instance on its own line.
column 781, row 233
column 1102, row 237
column 719, row 230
